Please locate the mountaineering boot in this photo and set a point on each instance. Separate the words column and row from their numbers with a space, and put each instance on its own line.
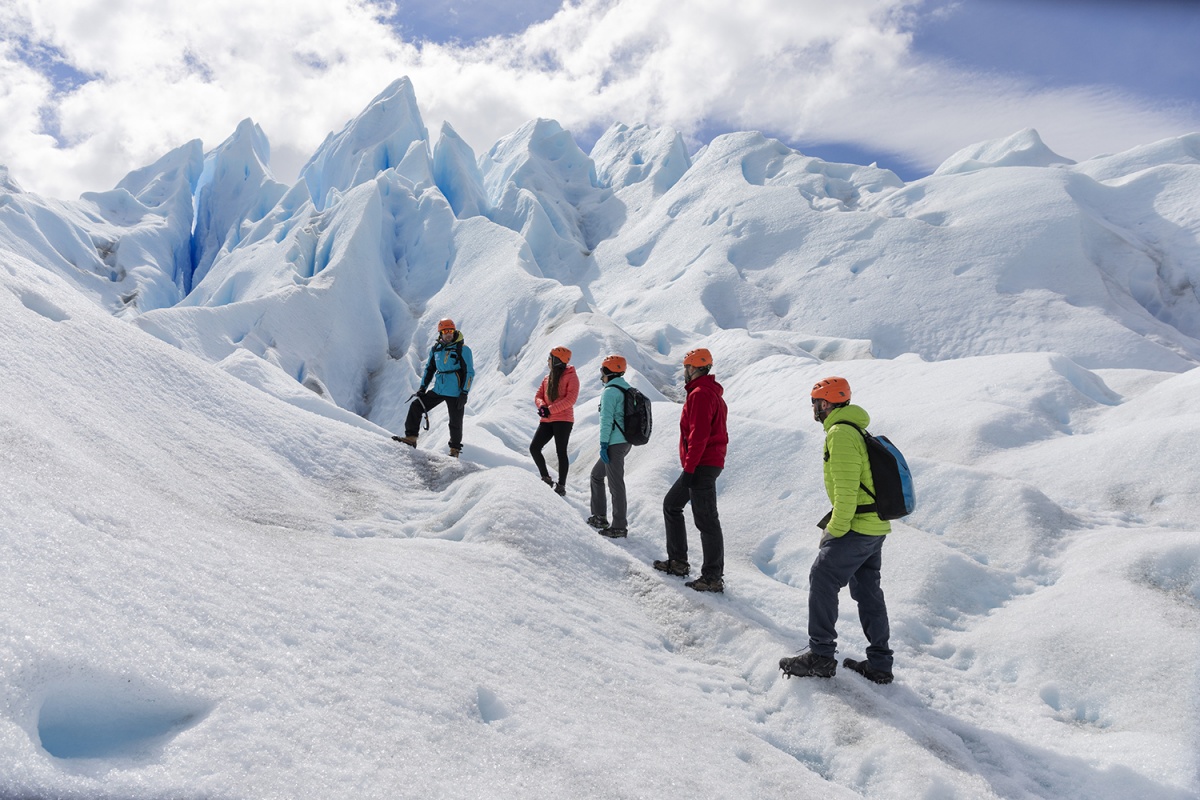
column 614, row 533
column 597, row 522
column 673, row 567
column 411, row 441
column 546, row 479
column 808, row 665
column 560, row 489
column 454, row 451
column 867, row 671
column 703, row 584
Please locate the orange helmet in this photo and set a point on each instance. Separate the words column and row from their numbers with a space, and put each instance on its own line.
column 446, row 325
column 698, row 358
column 614, row 363
column 561, row 353
column 835, row 390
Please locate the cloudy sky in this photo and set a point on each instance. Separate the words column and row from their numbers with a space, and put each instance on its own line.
column 90, row 90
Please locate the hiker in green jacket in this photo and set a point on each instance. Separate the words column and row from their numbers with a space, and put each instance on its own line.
column 614, row 447
column 850, row 549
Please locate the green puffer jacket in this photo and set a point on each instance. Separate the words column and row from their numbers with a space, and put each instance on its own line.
column 847, row 469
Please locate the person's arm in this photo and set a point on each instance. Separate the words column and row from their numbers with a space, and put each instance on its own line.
column 845, row 470
column 697, row 429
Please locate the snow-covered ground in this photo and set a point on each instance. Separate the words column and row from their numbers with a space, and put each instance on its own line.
column 222, row 578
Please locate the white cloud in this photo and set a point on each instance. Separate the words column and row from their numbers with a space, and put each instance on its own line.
column 173, row 70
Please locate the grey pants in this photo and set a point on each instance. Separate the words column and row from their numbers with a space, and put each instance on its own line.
column 853, row 559
column 614, row 471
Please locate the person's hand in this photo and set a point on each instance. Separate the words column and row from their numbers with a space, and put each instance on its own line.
column 604, row 452
column 543, row 411
column 464, row 399
column 421, row 393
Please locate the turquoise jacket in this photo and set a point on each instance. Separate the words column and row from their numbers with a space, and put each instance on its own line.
column 450, row 375
column 847, row 470
column 612, row 412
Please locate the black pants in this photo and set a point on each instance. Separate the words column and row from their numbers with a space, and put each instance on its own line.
column 455, row 406
column 561, row 433
column 703, row 497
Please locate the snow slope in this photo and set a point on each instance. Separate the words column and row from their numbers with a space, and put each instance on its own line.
column 223, row 579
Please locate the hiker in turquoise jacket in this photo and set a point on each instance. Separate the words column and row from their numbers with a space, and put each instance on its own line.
column 614, row 447
column 451, row 371
column 851, row 546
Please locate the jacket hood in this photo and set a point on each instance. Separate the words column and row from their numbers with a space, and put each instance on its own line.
column 708, row 383
column 851, row 413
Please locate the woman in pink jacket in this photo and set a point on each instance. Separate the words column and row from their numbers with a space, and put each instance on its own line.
column 556, row 406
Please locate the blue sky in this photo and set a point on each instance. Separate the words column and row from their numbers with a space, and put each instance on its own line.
column 90, row 90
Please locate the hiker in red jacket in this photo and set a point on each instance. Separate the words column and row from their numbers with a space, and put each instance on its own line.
column 702, row 442
column 555, row 402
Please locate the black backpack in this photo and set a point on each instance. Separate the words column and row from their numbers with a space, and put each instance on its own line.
column 638, row 422
column 895, row 496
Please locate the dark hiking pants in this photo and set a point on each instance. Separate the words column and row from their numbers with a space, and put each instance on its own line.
column 455, row 406
column 561, row 433
column 853, row 559
column 703, row 497
column 614, row 473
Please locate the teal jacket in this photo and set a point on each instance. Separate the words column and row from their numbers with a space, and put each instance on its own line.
column 612, row 412
column 450, row 368
column 847, row 470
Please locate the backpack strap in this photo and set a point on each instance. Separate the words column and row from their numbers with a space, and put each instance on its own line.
column 624, row 394
column 863, row 509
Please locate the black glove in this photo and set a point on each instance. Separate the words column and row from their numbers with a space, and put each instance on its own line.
column 688, row 479
column 421, row 393
column 464, row 400
column 543, row 411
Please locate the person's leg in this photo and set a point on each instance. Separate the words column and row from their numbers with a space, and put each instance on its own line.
column 836, row 561
column 542, row 435
column 616, row 483
column 412, row 423
column 704, row 513
column 599, row 505
column 562, row 437
column 676, row 498
column 865, row 589
column 455, row 407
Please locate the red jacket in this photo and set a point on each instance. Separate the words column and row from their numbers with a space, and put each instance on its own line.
column 562, row 409
column 702, row 434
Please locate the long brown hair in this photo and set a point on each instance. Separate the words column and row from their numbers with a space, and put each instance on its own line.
column 556, row 370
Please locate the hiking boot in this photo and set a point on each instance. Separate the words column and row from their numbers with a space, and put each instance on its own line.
column 546, row 479
column 808, row 665
column 597, row 522
column 560, row 489
column 411, row 441
column 454, row 451
column 703, row 584
column 614, row 533
column 867, row 671
column 673, row 567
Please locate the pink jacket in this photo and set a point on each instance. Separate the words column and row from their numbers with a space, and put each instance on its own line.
column 562, row 409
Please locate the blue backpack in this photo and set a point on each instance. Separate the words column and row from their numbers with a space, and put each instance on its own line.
column 894, row 495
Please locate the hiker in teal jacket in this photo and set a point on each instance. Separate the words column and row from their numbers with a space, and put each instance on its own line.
column 451, row 371
column 851, row 547
column 614, row 447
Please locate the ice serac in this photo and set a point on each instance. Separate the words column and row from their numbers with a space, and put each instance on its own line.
column 539, row 183
column 235, row 188
column 1022, row 149
column 457, row 174
column 651, row 159
column 388, row 134
column 128, row 249
column 7, row 184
